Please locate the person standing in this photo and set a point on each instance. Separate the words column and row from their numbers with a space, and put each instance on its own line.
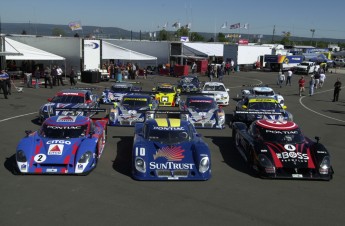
column 288, row 77
column 54, row 75
column 47, row 78
column 59, row 73
column 193, row 67
column 72, row 77
column 317, row 80
column 311, row 86
column 301, row 83
column 220, row 71
column 37, row 75
column 3, row 77
column 232, row 66
column 281, row 79
column 337, row 88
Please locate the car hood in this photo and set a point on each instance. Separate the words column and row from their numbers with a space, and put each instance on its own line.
column 289, row 155
column 55, row 151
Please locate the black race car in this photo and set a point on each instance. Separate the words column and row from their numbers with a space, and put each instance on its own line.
column 278, row 149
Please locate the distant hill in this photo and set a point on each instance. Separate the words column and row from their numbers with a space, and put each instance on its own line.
column 118, row 33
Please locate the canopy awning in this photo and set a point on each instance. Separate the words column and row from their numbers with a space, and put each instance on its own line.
column 111, row 51
column 203, row 49
column 21, row 51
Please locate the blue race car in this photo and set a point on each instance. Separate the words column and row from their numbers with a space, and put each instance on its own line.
column 203, row 112
column 117, row 91
column 131, row 109
column 169, row 149
column 82, row 98
column 190, row 83
column 63, row 145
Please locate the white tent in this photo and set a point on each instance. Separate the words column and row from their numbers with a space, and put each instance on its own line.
column 27, row 52
column 111, row 51
column 203, row 49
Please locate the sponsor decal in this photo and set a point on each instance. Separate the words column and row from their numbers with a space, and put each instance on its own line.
column 262, row 100
column 289, row 147
column 92, row 45
column 171, row 166
column 80, row 166
column 23, row 166
column 55, row 149
column 293, row 156
column 59, row 142
column 66, row 119
column 64, row 127
column 263, row 150
column 136, row 99
column 286, row 132
column 200, row 101
column 61, row 105
column 170, row 153
column 168, row 128
column 70, row 94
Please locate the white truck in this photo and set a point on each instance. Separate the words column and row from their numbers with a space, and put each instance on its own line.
column 307, row 67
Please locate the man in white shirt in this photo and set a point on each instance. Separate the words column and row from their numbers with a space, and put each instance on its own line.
column 322, row 80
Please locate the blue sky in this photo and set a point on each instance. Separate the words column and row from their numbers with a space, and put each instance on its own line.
column 297, row 17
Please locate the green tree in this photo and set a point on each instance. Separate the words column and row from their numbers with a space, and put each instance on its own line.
column 221, row 37
column 58, row 32
column 163, row 35
column 196, row 37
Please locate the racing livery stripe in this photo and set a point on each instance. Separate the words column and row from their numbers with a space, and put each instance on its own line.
column 310, row 160
column 66, row 160
column 174, row 122
column 37, row 150
column 162, row 122
column 277, row 162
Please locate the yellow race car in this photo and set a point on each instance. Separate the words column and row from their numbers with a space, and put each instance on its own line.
column 167, row 94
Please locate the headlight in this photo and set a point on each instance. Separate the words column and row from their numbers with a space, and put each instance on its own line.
column 267, row 164
column 140, row 165
column 85, row 157
column 204, row 164
column 325, row 165
column 21, row 156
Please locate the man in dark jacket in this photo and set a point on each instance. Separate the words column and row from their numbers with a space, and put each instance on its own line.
column 337, row 88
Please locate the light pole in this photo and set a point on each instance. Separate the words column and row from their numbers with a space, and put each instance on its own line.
column 312, row 35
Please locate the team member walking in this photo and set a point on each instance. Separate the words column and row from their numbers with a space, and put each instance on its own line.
column 301, row 83
column 3, row 85
column 337, row 88
column 288, row 77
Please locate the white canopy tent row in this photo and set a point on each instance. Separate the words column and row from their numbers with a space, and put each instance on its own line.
column 26, row 52
column 111, row 52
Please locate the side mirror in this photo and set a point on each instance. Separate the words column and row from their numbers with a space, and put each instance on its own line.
column 88, row 101
column 244, row 106
column 227, row 90
column 284, row 107
column 28, row 132
column 198, row 135
column 317, row 139
column 153, row 89
column 49, row 99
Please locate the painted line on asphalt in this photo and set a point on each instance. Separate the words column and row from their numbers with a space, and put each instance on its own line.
column 318, row 113
column 18, row 116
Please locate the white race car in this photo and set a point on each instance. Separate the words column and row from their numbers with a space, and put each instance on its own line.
column 263, row 91
column 218, row 91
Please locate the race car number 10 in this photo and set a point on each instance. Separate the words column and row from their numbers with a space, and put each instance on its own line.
column 139, row 151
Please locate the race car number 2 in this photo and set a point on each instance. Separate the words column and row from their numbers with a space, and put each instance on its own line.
column 139, row 151
column 40, row 158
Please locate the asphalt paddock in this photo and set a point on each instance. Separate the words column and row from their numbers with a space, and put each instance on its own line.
column 233, row 196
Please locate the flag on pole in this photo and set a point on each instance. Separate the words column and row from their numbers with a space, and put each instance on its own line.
column 176, row 25
column 246, row 26
column 189, row 25
column 234, row 26
column 76, row 25
column 224, row 25
column 165, row 25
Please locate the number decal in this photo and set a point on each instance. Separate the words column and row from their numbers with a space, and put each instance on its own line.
column 289, row 147
column 40, row 158
column 165, row 99
column 139, row 151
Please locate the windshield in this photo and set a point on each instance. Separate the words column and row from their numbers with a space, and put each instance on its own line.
column 63, row 132
column 282, row 136
column 264, row 106
column 168, row 135
column 68, row 99
column 135, row 102
column 214, row 88
column 165, row 89
column 202, row 104
column 263, row 93
column 120, row 89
